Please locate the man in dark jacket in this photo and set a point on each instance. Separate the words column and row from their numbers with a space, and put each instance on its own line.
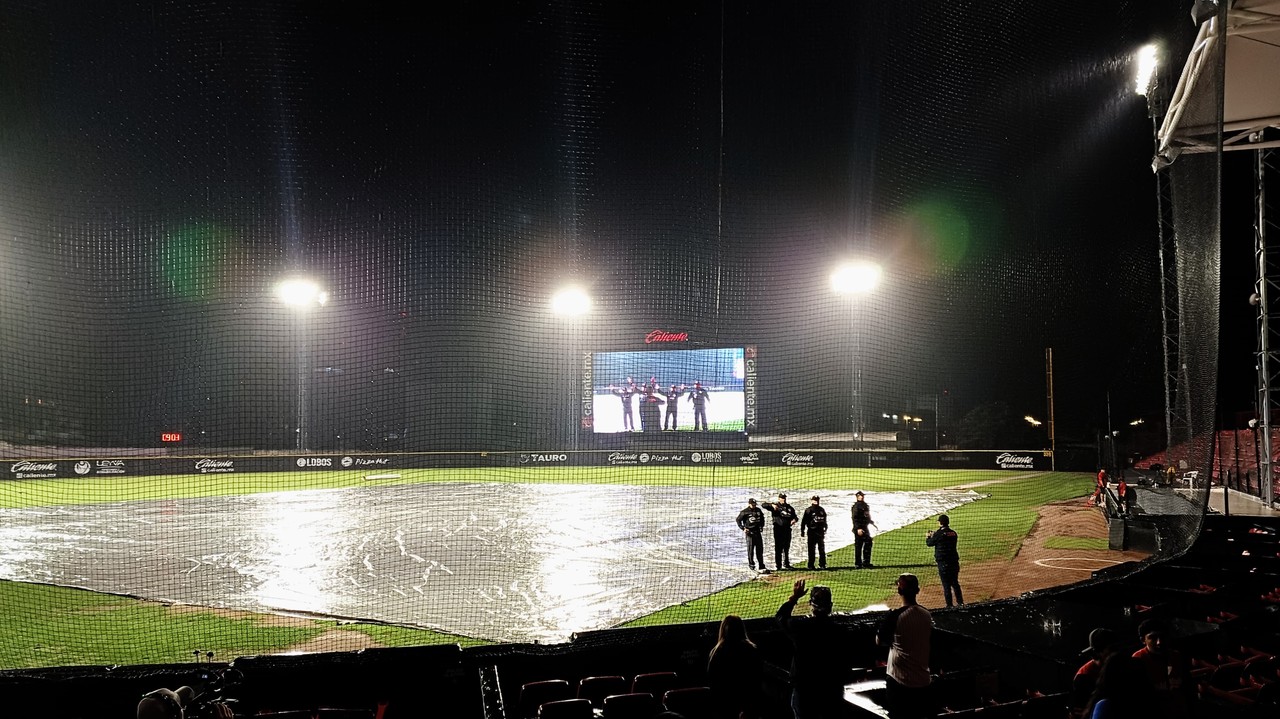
column 861, row 532
column 814, row 523
column 784, row 516
column 626, row 393
column 943, row 540
column 751, row 522
column 673, row 407
column 818, row 664
column 699, row 396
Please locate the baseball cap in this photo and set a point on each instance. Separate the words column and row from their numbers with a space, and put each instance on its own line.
column 859, row 493
column 910, row 582
column 1099, row 640
column 821, row 596
column 782, row 495
column 751, row 501
column 814, row 498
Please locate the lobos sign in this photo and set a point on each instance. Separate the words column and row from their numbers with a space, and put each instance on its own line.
column 664, row 336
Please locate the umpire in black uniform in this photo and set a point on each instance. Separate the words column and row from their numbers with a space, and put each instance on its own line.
column 784, row 517
column 751, row 522
column 814, row 522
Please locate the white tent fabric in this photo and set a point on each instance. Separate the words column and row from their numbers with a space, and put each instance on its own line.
column 1252, row 83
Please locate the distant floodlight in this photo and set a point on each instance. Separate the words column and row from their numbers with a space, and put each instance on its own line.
column 856, row 278
column 301, row 293
column 1147, row 60
column 1032, row 421
column 1137, row 422
column 571, row 302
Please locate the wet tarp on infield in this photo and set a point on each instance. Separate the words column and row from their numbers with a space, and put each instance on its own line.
column 504, row 562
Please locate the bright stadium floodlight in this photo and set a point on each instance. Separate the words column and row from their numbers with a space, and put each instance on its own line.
column 1033, row 421
column 301, row 293
column 571, row 302
column 856, row 278
column 1147, row 60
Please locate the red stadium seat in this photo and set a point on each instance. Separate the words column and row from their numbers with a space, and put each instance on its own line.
column 692, row 702
column 595, row 689
column 535, row 694
column 655, row 683
column 630, row 706
column 566, row 709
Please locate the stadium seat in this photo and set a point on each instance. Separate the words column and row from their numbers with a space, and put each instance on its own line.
column 630, row 706
column 595, row 689
column 535, row 694
column 691, row 702
column 566, row 709
column 655, row 683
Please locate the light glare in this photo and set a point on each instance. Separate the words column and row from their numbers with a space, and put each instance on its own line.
column 301, row 293
column 1033, row 421
column 856, row 278
column 571, row 302
column 1147, row 61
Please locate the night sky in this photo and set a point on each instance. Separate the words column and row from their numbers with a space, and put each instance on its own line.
column 699, row 167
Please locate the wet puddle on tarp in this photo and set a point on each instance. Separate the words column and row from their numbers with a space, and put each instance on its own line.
column 503, row 562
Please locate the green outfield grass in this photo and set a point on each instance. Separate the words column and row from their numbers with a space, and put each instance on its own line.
column 56, row 626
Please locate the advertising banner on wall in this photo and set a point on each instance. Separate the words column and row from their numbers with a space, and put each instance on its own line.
column 86, row 468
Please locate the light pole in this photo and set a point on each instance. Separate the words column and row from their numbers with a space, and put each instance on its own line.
column 302, row 295
column 856, row 279
column 572, row 303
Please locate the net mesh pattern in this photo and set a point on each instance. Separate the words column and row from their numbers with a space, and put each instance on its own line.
column 430, row 451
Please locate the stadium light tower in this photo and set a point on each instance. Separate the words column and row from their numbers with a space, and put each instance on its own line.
column 301, row 295
column 855, row 280
column 571, row 303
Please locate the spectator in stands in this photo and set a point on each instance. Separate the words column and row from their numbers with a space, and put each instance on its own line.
column 735, row 670
column 818, row 667
column 944, row 540
column 1123, row 691
column 1102, row 644
column 1167, row 670
column 907, row 631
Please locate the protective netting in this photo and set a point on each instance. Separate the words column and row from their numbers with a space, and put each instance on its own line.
column 410, row 433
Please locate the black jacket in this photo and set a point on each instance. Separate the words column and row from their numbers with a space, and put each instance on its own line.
column 751, row 519
column 815, row 519
column 943, row 542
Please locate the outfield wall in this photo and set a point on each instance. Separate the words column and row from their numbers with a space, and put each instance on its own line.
column 45, row 468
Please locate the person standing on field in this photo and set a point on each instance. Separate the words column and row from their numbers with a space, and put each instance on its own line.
column 815, row 523
column 751, row 522
column 943, row 540
column 784, row 517
column 862, row 523
column 699, row 396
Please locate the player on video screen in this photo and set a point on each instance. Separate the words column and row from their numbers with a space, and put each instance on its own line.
column 626, row 394
column 649, row 408
column 699, row 396
column 671, row 417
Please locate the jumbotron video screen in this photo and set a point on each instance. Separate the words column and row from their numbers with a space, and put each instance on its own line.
column 669, row 391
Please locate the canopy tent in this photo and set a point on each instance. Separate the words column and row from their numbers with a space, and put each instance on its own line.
column 1227, row 98
column 1251, row 96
